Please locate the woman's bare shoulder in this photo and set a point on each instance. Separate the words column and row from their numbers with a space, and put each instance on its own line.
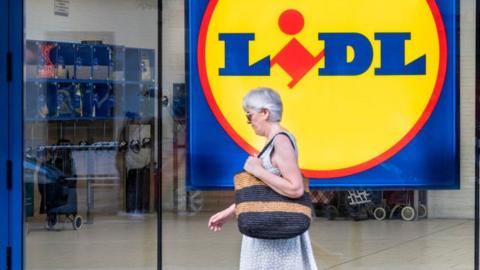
column 283, row 142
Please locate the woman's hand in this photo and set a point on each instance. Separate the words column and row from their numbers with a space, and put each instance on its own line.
column 253, row 165
column 216, row 221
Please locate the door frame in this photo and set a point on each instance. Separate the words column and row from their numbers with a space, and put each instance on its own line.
column 477, row 138
column 14, row 141
column 4, row 89
column 11, row 142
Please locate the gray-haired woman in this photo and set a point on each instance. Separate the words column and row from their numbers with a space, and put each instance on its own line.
column 279, row 170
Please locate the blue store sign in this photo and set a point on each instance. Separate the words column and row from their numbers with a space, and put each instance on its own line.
column 371, row 98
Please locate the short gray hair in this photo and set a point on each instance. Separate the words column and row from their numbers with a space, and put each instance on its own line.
column 264, row 98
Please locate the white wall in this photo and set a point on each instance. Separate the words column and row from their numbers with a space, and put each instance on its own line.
column 460, row 204
column 173, row 49
column 124, row 20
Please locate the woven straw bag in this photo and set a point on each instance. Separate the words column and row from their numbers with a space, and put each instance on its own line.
column 263, row 213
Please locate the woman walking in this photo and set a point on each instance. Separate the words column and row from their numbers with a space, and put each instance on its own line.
column 278, row 168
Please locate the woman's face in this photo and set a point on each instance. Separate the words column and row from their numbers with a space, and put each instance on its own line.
column 257, row 119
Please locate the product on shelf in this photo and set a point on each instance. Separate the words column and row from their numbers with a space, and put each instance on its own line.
column 101, row 59
column 31, row 59
column 87, row 103
column 104, row 101
column 47, row 70
column 117, row 63
column 94, row 104
column 76, row 80
column 78, row 101
column 64, row 102
column 61, row 71
column 100, row 72
column 146, row 70
column 64, row 61
column 178, row 108
column 42, row 108
column 83, row 62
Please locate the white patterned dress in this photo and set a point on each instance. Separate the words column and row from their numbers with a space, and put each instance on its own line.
column 279, row 254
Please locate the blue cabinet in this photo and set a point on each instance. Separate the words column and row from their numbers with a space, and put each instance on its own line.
column 139, row 100
column 101, row 59
column 117, row 63
column 64, row 59
column 83, row 62
column 75, row 81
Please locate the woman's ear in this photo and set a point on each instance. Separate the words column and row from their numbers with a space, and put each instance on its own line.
column 265, row 114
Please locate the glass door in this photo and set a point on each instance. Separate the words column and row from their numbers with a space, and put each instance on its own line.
column 90, row 134
column 4, row 198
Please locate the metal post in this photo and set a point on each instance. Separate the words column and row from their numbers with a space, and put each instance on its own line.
column 416, row 196
column 160, row 135
column 477, row 133
column 175, row 166
column 89, row 200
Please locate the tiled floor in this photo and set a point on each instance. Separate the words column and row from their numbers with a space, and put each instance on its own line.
column 130, row 243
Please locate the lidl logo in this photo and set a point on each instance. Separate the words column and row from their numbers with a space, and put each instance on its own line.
column 297, row 61
column 358, row 79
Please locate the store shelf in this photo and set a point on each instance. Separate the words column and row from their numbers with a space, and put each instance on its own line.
column 72, row 81
column 79, row 119
column 87, row 82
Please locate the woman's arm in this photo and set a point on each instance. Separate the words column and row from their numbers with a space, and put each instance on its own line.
column 216, row 221
column 285, row 159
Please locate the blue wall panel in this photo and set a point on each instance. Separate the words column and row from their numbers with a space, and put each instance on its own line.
column 4, row 209
column 15, row 131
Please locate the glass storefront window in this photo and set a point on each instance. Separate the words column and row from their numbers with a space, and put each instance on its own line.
column 135, row 125
column 401, row 221
column 91, row 134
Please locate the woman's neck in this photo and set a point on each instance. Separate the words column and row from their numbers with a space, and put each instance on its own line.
column 272, row 129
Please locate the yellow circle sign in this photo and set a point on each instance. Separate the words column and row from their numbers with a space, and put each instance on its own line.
column 358, row 79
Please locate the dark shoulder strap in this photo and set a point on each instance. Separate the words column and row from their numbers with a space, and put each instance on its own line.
column 266, row 147
column 271, row 141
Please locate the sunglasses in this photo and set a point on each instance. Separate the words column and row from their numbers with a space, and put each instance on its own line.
column 250, row 115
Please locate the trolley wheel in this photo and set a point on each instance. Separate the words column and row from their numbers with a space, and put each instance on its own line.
column 332, row 212
column 77, row 222
column 51, row 221
column 380, row 213
column 394, row 209
column 422, row 211
column 408, row 213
